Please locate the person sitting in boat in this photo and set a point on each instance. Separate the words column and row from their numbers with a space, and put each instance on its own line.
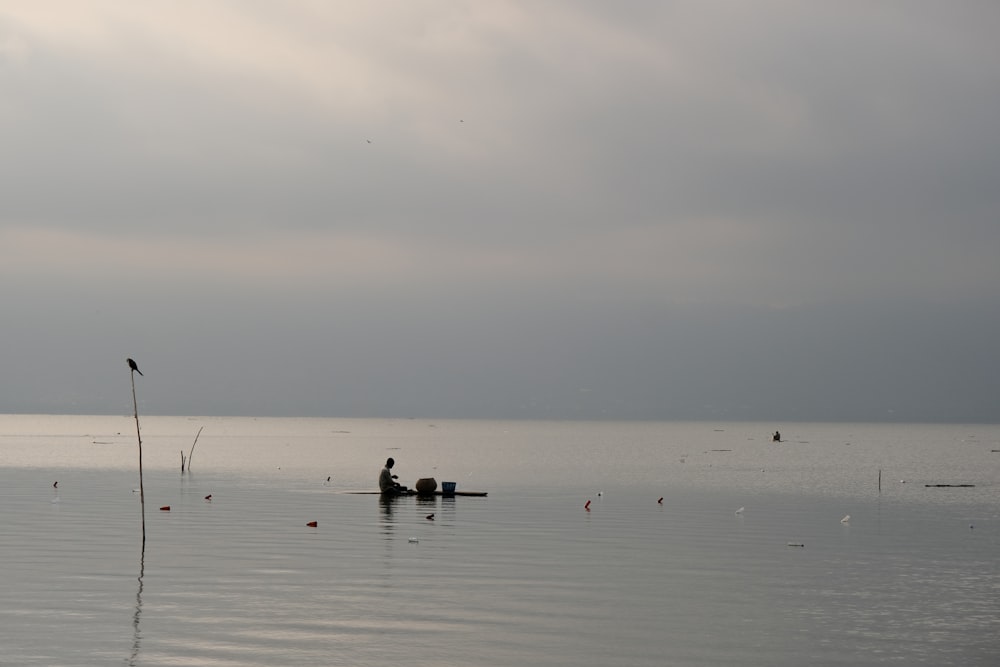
column 776, row 437
column 387, row 483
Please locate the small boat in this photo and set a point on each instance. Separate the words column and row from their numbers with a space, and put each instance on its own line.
column 942, row 486
column 413, row 492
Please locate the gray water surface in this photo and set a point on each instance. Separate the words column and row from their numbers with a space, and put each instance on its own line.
column 527, row 575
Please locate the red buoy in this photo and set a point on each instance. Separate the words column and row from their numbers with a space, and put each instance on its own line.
column 313, row 524
column 587, row 506
column 165, row 508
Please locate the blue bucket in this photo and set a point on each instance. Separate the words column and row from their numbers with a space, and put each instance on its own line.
column 447, row 487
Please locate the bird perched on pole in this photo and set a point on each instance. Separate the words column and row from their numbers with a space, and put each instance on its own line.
column 133, row 366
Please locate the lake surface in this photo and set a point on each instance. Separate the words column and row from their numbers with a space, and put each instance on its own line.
column 525, row 576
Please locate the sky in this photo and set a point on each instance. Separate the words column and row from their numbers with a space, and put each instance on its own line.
column 775, row 211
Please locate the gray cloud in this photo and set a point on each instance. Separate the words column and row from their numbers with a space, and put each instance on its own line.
column 566, row 210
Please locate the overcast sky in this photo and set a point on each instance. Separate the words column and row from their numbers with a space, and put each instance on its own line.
column 638, row 210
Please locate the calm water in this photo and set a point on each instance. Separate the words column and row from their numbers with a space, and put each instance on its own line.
column 523, row 576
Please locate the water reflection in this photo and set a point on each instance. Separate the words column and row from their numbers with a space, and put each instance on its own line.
column 136, row 635
column 386, row 505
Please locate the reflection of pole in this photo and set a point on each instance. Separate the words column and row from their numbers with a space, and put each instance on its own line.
column 138, row 610
column 138, row 435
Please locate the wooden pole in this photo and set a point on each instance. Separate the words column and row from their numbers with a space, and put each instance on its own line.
column 880, row 480
column 138, row 435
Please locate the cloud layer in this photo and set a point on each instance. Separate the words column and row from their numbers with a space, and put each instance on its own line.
column 502, row 209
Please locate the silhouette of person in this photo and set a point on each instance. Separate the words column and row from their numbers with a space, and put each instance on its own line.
column 387, row 483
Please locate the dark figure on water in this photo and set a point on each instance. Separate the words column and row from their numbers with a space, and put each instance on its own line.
column 387, row 483
column 133, row 366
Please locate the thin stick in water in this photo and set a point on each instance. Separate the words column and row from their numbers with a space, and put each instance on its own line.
column 138, row 435
column 191, row 453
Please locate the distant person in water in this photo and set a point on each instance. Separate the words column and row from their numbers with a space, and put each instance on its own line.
column 776, row 437
column 387, row 483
